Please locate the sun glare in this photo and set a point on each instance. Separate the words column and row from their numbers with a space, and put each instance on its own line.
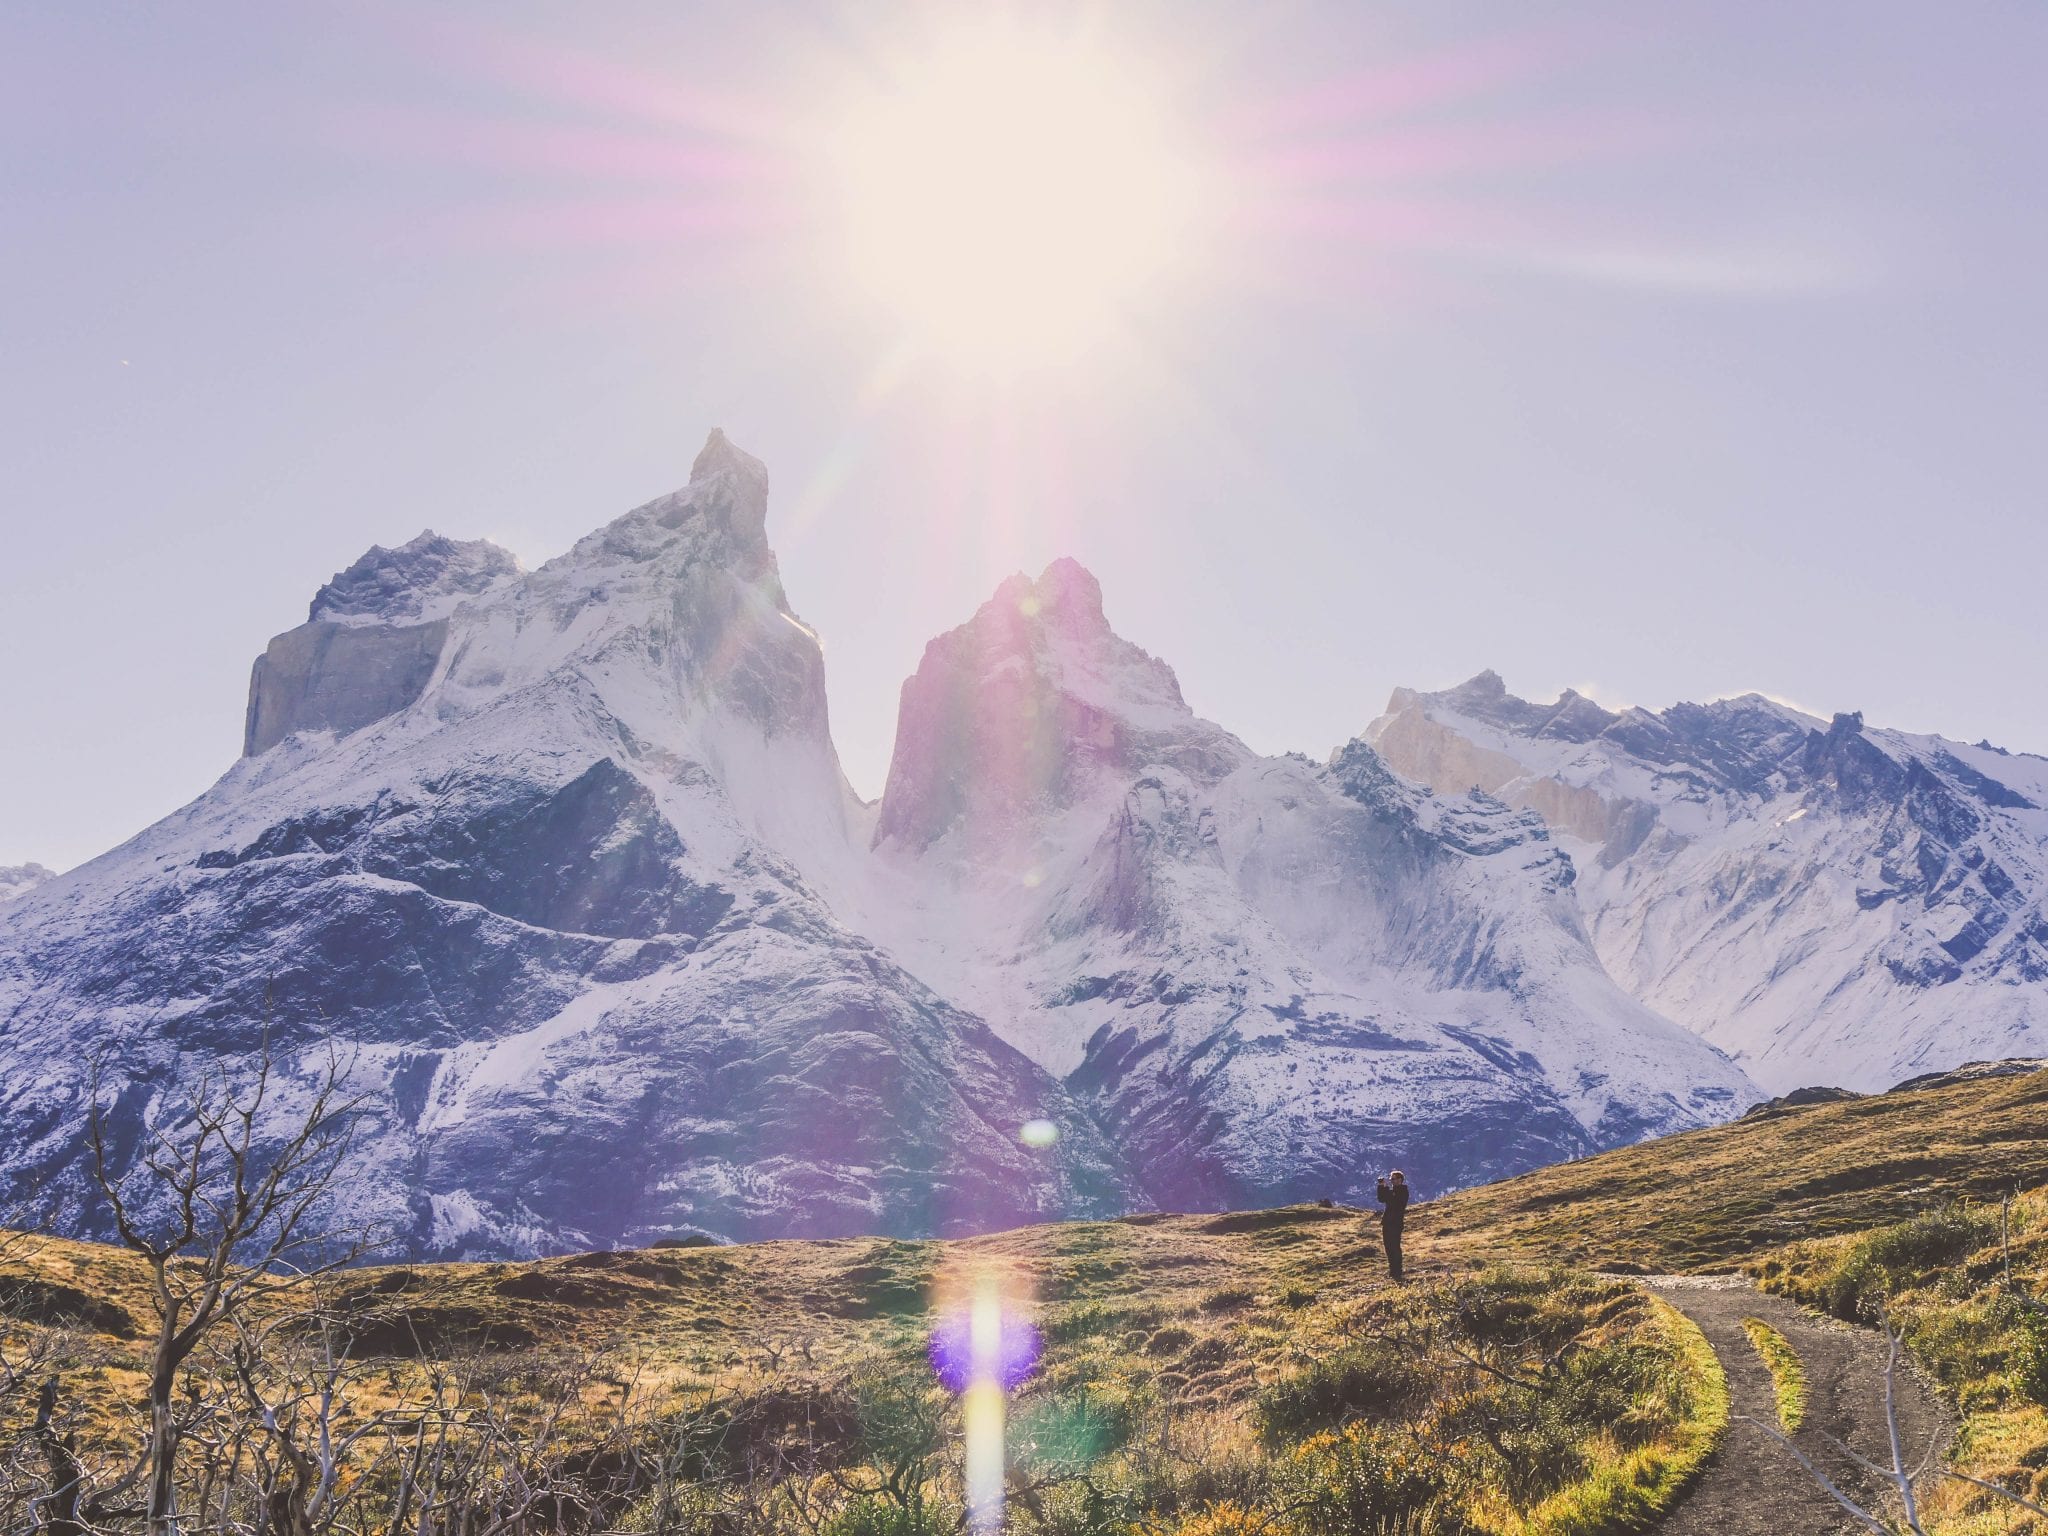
column 1012, row 196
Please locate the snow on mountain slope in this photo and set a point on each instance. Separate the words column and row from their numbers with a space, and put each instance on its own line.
column 548, row 904
column 1276, row 977
column 1826, row 901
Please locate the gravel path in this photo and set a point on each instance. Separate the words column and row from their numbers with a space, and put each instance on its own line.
column 1753, row 1487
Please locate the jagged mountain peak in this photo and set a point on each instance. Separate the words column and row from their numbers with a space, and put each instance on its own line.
column 1752, row 702
column 1029, row 706
column 1485, row 696
column 1058, row 614
column 669, row 607
column 1055, row 626
column 720, row 455
column 1731, row 742
column 719, row 518
column 1066, row 594
column 1483, row 686
column 418, row 581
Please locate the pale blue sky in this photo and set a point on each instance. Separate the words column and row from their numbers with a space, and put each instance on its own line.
column 1665, row 352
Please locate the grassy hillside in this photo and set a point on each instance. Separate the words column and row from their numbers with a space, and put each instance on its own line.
column 1712, row 1200
column 1220, row 1375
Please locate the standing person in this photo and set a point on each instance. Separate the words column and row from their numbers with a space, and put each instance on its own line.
column 1392, row 1195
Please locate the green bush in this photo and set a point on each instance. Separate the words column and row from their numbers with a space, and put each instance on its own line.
column 873, row 1515
column 1375, row 1380
column 1362, row 1480
column 2028, row 1364
column 1882, row 1263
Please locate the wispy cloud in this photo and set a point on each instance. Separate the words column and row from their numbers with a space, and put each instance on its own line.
column 1601, row 694
column 1775, row 698
column 1760, row 269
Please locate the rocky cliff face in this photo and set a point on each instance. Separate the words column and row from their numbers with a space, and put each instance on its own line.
column 1028, row 709
column 1827, row 901
column 371, row 641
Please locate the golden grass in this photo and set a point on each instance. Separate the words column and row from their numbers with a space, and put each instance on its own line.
column 1712, row 1200
column 1634, row 1490
column 1197, row 1315
column 1788, row 1376
column 1199, row 1309
column 1183, row 1322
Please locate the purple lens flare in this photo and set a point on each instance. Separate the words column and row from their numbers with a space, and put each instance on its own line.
column 1016, row 1351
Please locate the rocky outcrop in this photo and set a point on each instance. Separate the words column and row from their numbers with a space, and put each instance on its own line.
column 372, row 639
column 1031, row 705
column 338, row 678
column 415, row 583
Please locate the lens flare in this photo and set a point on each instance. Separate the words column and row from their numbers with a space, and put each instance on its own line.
column 1011, row 191
column 1038, row 1133
column 984, row 1409
column 1010, row 1351
column 983, row 1351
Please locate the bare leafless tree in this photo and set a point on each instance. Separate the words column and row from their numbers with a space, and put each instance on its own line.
column 1904, row 1481
column 224, row 1217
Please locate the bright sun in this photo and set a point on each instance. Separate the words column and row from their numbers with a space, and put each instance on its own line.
column 1012, row 197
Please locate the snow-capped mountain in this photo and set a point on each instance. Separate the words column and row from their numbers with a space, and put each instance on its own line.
column 1826, row 901
column 1275, row 976
column 562, row 865
column 548, row 905
column 20, row 879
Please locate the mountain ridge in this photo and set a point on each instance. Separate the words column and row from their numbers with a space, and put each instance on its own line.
column 565, row 858
column 1824, row 899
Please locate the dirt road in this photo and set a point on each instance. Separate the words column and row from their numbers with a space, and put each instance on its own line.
column 1753, row 1487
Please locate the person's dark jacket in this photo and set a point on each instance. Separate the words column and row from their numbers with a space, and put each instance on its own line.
column 1394, row 1199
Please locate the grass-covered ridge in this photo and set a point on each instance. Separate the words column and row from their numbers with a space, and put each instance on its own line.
column 1713, row 1200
